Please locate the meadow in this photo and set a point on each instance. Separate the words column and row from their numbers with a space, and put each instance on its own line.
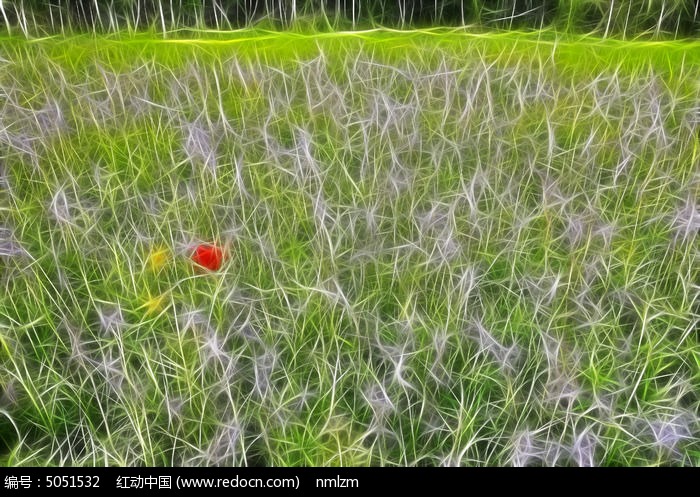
column 444, row 247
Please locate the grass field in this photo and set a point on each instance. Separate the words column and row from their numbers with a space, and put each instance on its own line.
column 444, row 249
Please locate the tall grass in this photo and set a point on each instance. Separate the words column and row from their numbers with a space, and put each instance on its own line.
column 445, row 249
column 647, row 18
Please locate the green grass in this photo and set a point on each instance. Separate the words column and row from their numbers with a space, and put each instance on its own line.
column 446, row 248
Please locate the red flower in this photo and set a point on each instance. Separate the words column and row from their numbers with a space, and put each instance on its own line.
column 208, row 256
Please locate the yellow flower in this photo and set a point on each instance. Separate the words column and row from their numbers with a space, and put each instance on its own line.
column 153, row 304
column 158, row 258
